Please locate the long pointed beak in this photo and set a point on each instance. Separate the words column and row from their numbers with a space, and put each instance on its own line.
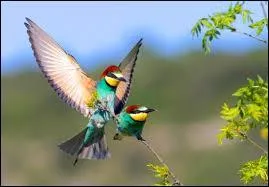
column 150, row 110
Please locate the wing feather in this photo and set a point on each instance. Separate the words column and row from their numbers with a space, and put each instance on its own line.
column 127, row 68
column 61, row 69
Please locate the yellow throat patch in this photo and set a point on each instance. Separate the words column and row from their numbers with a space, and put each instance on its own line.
column 111, row 81
column 139, row 117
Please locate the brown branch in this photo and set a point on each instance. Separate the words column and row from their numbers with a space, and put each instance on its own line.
column 176, row 181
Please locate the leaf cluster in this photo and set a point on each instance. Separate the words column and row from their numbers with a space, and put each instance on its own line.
column 224, row 21
column 259, row 26
column 255, row 168
column 250, row 110
column 162, row 173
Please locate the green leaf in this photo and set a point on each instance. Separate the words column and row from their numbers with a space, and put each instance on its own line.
column 229, row 132
column 227, row 21
column 250, row 82
column 240, row 92
column 217, row 32
column 220, row 137
column 237, row 8
column 229, row 113
column 230, row 7
column 196, row 29
column 205, row 22
column 254, row 111
column 246, row 16
column 242, row 112
column 260, row 80
column 205, row 44
column 259, row 25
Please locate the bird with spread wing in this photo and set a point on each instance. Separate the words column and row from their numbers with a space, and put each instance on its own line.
column 98, row 100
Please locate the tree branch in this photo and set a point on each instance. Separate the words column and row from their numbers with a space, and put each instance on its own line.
column 249, row 35
column 246, row 137
column 176, row 181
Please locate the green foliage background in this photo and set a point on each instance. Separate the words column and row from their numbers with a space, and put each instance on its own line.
column 188, row 92
column 251, row 108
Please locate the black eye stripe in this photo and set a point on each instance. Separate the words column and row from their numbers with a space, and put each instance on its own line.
column 112, row 75
column 136, row 111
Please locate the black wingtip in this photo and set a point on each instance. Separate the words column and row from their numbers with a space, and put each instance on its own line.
column 28, row 20
column 26, row 25
column 140, row 42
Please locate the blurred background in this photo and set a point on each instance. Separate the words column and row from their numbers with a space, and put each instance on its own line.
column 172, row 75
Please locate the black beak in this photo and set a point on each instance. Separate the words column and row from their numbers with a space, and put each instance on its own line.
column 150, row 110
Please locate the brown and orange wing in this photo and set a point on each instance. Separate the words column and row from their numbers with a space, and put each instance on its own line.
column 62, row 71
column 127, row 67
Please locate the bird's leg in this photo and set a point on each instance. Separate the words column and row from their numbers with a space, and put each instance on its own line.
column 75, row 162
column 118, row 135
column 139, row 137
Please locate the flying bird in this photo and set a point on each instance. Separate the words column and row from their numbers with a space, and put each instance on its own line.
column 98, row 100
column 131, row 121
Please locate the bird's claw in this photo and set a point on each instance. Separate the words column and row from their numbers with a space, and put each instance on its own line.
column 117, row 136
column 140, row 138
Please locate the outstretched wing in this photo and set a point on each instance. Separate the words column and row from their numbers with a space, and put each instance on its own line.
column 64, row 75
column 127, row 68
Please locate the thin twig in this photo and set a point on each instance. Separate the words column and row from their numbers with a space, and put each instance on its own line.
column 249, row 35
column 176, row 181
column 252, row 142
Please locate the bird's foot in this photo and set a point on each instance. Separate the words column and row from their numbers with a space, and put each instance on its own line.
column 140, row 138
column 117, row 136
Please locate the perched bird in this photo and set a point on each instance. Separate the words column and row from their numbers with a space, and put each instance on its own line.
column 130, row 122
column 98, row 100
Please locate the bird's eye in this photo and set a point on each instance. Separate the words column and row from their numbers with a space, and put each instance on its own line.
column 136, row 111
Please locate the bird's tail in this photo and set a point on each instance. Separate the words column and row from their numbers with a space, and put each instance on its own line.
column 76, row 147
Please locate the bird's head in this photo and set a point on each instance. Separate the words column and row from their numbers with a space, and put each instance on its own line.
column 138, row 113
column 113, row 76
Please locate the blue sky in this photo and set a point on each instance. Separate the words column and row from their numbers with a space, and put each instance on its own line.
column 101, row 31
